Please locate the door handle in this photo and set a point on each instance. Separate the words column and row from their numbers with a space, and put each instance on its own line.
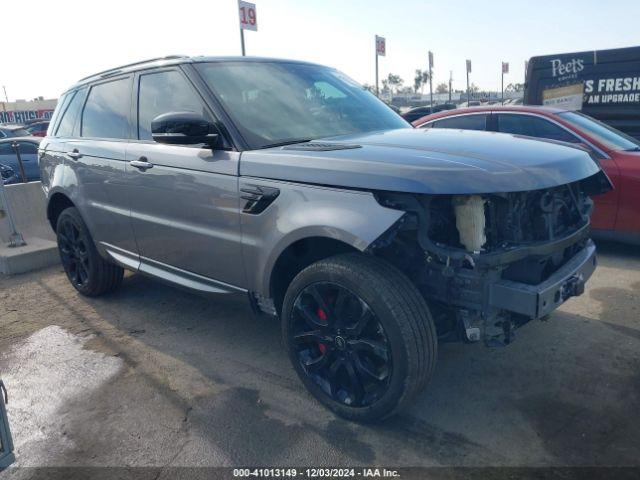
column 141, row 164
column 74, row 154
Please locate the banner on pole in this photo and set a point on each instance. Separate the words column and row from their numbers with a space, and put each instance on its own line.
column 505, row 67
column 468, row 66
column 430, row 59
column 248, row 16
column 381, row 46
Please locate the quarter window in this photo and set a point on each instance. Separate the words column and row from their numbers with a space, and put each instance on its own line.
column 165, row 92
column 531, row 126
column 69, row 116
column 106, row 113
column 463, row 122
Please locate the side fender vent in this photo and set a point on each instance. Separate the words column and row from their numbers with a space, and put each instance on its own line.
column 258, row 198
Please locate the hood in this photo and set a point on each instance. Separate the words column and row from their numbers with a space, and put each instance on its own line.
column 433, row 161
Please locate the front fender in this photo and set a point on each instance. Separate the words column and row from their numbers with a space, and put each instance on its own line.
column 305, row 211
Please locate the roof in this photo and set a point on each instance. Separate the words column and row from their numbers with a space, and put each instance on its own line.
column 10, row 126
column 176, row 60
column 488, row 108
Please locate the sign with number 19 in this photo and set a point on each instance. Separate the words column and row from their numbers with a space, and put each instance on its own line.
column 248, row 16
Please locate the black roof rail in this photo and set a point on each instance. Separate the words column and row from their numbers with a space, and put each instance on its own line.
column 115, row 70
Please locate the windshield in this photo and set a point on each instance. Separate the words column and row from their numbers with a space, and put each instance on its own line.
column 609, row 136
column 19, row 132
column 274, row 103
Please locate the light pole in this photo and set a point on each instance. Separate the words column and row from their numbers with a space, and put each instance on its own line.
column 430, row 81
column 381, row 51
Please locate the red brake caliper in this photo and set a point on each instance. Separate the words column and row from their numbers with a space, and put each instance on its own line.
column 322, row 316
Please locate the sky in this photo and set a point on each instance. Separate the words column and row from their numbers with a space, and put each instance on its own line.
column 47, row 45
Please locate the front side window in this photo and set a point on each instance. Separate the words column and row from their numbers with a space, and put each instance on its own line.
column 28, row 148
column 165, row 92
column 106, row 112
column 463, row 122
column 273, row 103
column 531, row 126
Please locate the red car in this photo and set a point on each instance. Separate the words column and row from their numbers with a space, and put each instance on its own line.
column 617, row 213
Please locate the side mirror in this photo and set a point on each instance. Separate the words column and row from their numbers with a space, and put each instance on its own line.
column 183, row 128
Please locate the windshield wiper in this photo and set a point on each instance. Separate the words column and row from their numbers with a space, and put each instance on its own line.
column 287, row 142
column 634, row 149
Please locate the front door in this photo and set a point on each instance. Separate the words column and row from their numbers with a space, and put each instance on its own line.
column 184, row 202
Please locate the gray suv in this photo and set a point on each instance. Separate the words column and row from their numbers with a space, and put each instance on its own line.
column 287, row 181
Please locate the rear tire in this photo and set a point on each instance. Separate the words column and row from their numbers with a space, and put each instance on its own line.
column 88, row 272
column 362, row 370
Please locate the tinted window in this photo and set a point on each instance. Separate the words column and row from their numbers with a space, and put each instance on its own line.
column 162, row 93
column 463, row 122
column 5, row 149
column 65, row 129
column 279, row 102
column 106, row 112
column 28, row 148
column 533, row 127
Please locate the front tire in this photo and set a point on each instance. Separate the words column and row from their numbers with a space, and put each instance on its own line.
column 359, row 335
column 88, row 272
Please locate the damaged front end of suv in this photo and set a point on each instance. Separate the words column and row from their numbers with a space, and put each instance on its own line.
column 488, row 263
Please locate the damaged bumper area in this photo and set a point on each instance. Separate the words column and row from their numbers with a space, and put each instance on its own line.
column 487, row 264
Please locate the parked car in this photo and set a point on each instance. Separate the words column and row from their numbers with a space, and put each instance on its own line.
column 617, row 213
column 28, row 147
column 8, row 175
column 288, row 182
column 7, row 131
column 419, row 112
column 38, row 129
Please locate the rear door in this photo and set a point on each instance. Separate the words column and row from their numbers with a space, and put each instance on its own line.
column 185, row 207
column 96, row 166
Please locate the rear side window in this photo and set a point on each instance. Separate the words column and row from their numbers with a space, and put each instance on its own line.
column 28, row 148
column 165, row 92
column 463, row 122
column 69, row 116
column 106, row 112
column 532, row 126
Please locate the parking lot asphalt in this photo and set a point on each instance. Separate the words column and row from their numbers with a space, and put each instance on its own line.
column 155, row 376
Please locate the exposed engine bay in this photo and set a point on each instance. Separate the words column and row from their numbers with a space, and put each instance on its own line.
column 489, row 263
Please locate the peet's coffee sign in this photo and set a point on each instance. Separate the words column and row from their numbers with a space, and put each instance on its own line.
column 600, row 88
column 21, row 116
column 612, row 90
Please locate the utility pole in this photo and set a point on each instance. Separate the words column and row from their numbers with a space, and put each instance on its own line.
column 430, row 81
column 381, row 51
column 468, row 90
column 450, row 82
column 5, row 93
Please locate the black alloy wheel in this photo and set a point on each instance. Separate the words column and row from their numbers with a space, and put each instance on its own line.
column 74, row 252
column 89, row 273
column 341, row 345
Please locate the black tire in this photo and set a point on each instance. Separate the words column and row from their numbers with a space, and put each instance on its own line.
column 402, row 321
column 88, row 272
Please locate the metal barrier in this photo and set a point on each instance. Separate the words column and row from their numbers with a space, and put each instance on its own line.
column 15, row 238
column 16, row 148
column 6, row 443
